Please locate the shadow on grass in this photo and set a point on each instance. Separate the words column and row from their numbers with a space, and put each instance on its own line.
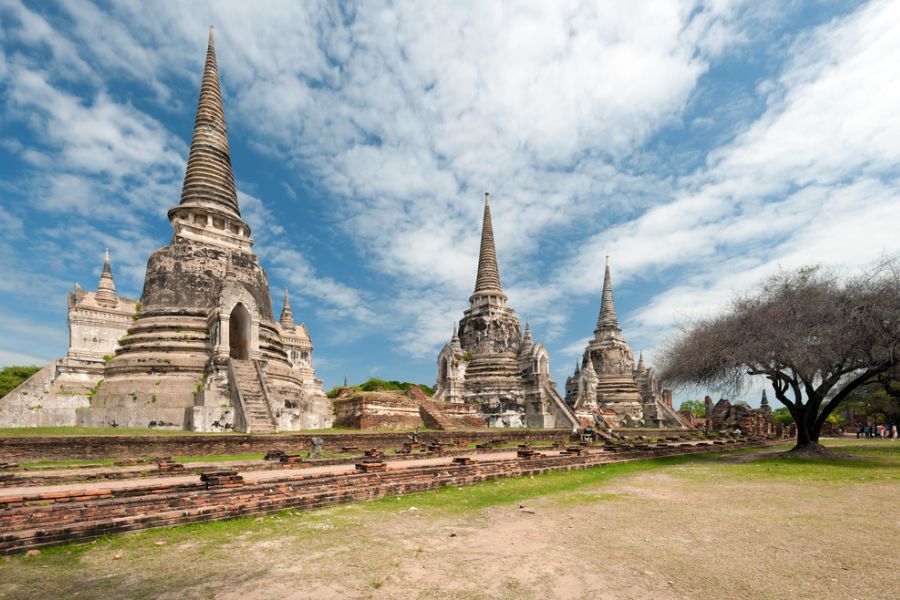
column 860, row 464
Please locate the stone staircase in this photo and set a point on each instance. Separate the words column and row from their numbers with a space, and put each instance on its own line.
column 430, row 411
column 563, row 409
column 434, row 417
column 256, row 410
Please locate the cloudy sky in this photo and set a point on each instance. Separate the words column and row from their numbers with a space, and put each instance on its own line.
column 701, row 145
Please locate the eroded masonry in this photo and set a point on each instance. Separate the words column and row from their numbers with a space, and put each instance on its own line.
column 201, row 350
column 490, row 366
column 608, row 389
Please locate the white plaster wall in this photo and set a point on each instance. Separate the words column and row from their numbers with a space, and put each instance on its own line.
column 34, row 404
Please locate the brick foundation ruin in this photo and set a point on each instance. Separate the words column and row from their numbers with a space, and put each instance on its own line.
column 41, row 519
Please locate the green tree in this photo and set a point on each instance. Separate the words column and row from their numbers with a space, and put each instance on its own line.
column 696, row 407
column 878, row 398
column 782, row 415
column 12, row 377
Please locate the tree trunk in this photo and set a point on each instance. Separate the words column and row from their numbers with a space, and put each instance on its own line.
column 807, row 432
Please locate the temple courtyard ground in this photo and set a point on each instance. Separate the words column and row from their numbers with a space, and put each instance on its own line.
column 736, row 525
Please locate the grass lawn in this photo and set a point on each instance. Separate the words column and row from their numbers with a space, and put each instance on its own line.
column 64, row 464
column 738, row 525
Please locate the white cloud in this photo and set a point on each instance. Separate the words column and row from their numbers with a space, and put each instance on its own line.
column 10, row 357
column 406, row 115
column 30, row 28
column 103, row 137
column 813, row 181
column 101, row 161
column 334, row 300
column 425, row 108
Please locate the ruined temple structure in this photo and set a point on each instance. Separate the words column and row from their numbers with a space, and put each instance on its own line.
column 97, row 320
column 726, row 417
column 299, row 348
column 491, row 367
column 201, row 350
column 608, row 389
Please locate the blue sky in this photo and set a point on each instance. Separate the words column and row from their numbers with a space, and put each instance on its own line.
column 702, row 145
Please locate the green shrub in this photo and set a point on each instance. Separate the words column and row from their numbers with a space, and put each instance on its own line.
column 13, row 377
column 375, row 384
column 697, row 407
column 94, row 389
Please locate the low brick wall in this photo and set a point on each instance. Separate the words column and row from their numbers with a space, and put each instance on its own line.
column 47, row 519
column 34, row 448
column 660, row 433
column 38, row 477
column 371, row 410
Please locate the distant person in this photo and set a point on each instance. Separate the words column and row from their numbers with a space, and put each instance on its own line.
column 867, row 430
column 859, row 430
column 894, row 433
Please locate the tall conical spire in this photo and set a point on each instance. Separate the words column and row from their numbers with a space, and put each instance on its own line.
column 106, row 288
column 607, row 318
column 488, row 272
column 209, row 180
column 527, row 340
column 287, row 317
column 454, row 339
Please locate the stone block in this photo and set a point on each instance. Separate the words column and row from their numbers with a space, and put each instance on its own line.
column 371, row 466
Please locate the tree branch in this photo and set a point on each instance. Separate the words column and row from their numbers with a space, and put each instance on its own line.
column 845, row 391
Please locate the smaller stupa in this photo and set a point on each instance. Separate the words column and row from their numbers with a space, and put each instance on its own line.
column 608, row 388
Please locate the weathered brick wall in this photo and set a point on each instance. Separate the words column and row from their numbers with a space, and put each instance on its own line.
column 58, row 517
column 377, row 410
column 32, row 448
column 658, row 433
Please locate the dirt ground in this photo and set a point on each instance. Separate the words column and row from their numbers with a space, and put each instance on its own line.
column 720, row 528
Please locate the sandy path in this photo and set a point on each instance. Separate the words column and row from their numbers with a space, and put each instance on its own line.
column 647, row 536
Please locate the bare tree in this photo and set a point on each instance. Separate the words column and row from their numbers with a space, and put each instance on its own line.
column 814, row 336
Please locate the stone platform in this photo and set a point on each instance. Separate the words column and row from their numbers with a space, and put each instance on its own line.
column 35, row 448
column 35, row 517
